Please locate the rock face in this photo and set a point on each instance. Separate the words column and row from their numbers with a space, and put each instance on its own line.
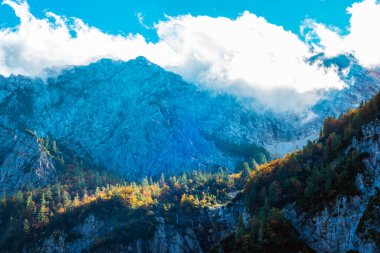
column 183, row 234
column 139, row 120
column 350, row 223
column 24, row 164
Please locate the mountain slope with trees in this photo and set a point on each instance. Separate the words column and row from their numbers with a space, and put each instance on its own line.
column 325, row 190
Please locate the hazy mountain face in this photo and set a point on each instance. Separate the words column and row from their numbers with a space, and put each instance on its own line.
column 137, row 119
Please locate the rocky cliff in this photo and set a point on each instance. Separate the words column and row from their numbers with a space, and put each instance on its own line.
column 24, row 162
column 179, row 233
column 346, row 224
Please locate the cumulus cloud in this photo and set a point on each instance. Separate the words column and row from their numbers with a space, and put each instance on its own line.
column 362, row 39
column 246, row 55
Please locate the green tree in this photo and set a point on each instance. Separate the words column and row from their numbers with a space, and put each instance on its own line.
column 162, row 179
column 44, row 210
column 97, row 190
column 85, row 194
column 48, row 194
column 19, row 197
column 246, row 172
column 255, row 165
column 29, row 201
column 145, row 182
column 66, row 199
column 26, row 226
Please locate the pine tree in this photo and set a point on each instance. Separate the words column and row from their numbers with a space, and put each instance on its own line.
column 196, row 201
column 262, row 158
column 57, row 191
column 145, row 182
column 66, row 199
column 97, row 191
column 29, row 201
column 85, row 195
column 43, row 201
column 162, row 179
column 44, row 210
column 76, row 200
column 48, row 194
column 26, row 226
column 246, row 171
column 255, row 165
column 19, row 197
column 183, row 179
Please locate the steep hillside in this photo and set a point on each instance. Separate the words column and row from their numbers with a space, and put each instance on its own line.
column 328, row 191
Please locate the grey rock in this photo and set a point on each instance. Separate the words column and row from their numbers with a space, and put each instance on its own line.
column 24, row 163
column 336, row 228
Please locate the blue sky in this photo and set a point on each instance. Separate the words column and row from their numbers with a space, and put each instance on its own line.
column 120, row 16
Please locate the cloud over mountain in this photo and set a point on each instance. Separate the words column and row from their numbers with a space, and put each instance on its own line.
column 362, row 39
column 246, row 56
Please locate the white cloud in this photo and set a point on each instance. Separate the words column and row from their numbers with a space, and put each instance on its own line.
column 362, row 40
column 140, row 18
column 246, row 56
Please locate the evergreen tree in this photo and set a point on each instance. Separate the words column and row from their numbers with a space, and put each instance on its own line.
column 145, row 182
column 246, row 171
column 97, row 190
column 76, row 201
column 57, row 191
column 162, row 179
column 66, row 199
column 43, row 201
column 29, row 201
column 19, row 197
column 48, row 194
column 26, row 226
column 262, row 158
column 42, row 214
column 255, row 165
column 85, row 195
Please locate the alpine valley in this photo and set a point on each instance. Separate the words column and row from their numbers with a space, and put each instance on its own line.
column 128, row 157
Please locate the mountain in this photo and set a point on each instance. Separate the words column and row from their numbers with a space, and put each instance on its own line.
column 322, row 198
column 136, row 119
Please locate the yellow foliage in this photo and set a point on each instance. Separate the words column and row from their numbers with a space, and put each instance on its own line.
column 183, row 199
